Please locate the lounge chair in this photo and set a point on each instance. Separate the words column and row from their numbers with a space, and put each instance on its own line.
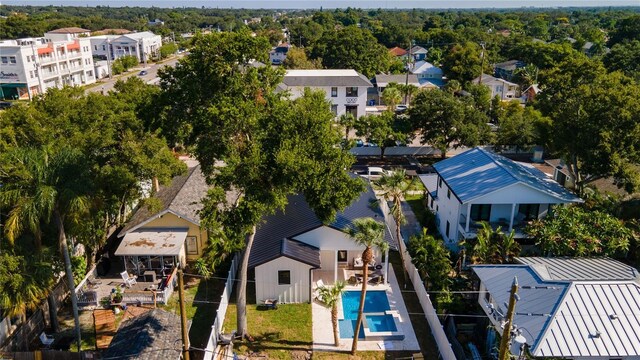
column 376, row 280
column 270, row 304
column 319, row 284
column 46, row 340
column 128, row 280
column 354, row 280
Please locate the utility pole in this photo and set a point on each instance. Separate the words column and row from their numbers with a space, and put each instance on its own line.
column 109, row 57
column 183, row 318
column 406, row 81
column 508, row 324
column 481, row 64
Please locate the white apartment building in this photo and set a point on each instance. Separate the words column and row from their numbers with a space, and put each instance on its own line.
column 143, row 45
column 345, row 89
column 30, row 66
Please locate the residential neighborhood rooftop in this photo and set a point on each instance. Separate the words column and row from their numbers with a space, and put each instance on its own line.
column 69, row 30
column 486, row 79
column 182, row 197
column 325, row 77
column 478, row 172
column 382, row 80
column 273, row 235
column 153, row 335
column 397, row 51
column 596, row 315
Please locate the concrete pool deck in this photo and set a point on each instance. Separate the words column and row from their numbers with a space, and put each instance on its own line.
column 323, row 329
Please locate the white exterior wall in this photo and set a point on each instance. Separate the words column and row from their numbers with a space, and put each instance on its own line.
column 267, row 281
column 503, row 89
column 341, row 100
column 54, row 69
column 447, row 209
column 330, row 240
column 277, row 57
column 144, row 49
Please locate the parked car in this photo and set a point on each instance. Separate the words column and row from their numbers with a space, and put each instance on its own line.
column 5, row 105
column 401, row 108
column 375, row 173
column 143, row 73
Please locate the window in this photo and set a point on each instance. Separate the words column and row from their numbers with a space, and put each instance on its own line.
column 352, row 91
column 431, row 203
column 12, row 59
column 480, row 212
column 448, row 193
column 334, row 92
column 284, row 277
column 28, row 58
column 334, row 110
column 487, row 296
column 90, row 73
column 5, row 60
column 104, row 47
column 528, row 212
column 439, row 182
column 448, row 227
column 342, row 255
column 353, row 110
column 31, row 74
column 192, row 245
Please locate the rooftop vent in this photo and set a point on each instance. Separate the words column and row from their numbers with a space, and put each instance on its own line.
column 613, row 317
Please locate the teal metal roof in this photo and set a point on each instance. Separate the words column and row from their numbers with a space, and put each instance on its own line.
column 478, row 172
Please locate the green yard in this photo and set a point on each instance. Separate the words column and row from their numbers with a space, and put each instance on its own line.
column 284, row 333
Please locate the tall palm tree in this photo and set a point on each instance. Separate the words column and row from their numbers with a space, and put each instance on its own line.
column 330, row 296
column 391, row 97
column 59, row 182
column 508, row 247
column 368, row 233
column 394, row 187
column 347, row 121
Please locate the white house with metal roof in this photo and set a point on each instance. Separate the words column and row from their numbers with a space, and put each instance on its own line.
column 293, row 249
column 570, row 308
column 428, row 74
column 345, row 89
column 504, row 89
column 479, row 185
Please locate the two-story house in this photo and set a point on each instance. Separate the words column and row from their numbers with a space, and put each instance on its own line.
column 279, row 54
column 506, row 70
column 345, row 89
column 479, row 185
column 568, row 308
column 428, row 73
column 504, row 89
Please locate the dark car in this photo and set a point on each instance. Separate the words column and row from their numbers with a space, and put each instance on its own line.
column 5, row 105
column 143, row 73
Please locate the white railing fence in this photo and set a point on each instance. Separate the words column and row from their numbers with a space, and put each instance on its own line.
column 87, row 297
column 211, row 350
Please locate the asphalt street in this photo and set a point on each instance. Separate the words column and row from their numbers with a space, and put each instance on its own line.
column 152, row 73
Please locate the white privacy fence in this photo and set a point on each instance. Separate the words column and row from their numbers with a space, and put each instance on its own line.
column 437, row 330
column 216, row 329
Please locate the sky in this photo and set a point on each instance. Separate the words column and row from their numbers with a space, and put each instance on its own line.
column 328, row 4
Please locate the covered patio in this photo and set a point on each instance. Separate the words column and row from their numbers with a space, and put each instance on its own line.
column 152, row 252
column 347, row 266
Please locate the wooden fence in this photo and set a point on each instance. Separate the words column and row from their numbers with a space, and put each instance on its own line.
column 50, row 355
column 212, row 349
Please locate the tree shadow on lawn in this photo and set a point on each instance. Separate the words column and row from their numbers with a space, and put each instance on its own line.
column 205, row 302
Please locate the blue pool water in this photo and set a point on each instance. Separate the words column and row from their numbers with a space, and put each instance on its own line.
column 374, row 302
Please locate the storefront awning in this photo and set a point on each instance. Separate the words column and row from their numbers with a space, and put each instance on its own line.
column 153, row 242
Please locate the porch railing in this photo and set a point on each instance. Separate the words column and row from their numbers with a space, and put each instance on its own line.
column 87, row 297
column 147, row 297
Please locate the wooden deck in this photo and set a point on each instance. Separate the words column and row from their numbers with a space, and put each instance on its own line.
column 104, row 322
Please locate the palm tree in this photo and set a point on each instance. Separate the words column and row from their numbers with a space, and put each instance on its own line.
column 57, row 182
column 508, row 247
column 347, row 121
column 484, row 250
column 330, row 296
column 368, row 233
column 391, row 97
column 407, row 90
column 394, row 187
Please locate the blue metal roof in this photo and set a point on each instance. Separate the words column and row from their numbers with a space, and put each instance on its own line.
column 478, row 172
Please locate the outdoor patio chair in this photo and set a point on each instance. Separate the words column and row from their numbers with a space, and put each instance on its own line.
column 319, row 284
column 271, row 304
column 128, row 280
column 46, row 340
column 376, row 280
column 354, row 280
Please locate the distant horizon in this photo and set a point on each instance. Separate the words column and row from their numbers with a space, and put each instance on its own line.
column 334, row 4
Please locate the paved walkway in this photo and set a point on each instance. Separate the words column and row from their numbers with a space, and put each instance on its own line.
column 323, row 329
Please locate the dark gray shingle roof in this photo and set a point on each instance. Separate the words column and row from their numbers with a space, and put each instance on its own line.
column 153, row 335
column 182, row 197
column 298, row 218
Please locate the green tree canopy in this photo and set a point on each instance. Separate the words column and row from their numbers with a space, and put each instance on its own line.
column 573, row 231
column 352, row 48
column 463, row 62
column 444, row 120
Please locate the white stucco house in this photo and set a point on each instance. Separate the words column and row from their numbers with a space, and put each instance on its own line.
column 504, row 89
column 346, row 89
column 144, row 45
column 279, row 54
column 568, row 308
column 293, row 249
column 479, row 185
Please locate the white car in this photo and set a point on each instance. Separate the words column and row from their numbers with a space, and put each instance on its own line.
column 375, row 173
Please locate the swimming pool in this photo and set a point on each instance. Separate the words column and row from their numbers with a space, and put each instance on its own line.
column 376, row 304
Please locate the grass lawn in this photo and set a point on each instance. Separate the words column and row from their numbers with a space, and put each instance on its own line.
column 416, row 201
column 284, row 333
